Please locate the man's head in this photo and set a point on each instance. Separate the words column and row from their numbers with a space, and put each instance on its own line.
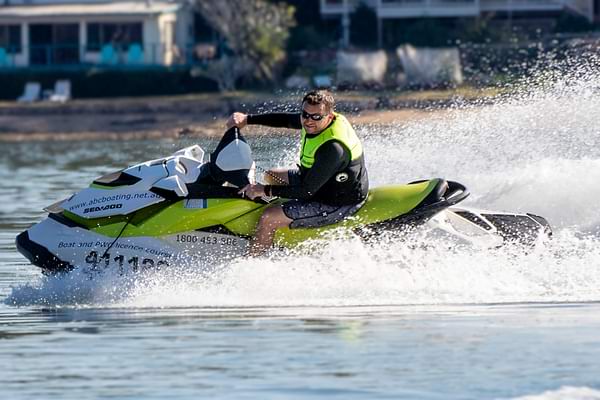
column 317, row 110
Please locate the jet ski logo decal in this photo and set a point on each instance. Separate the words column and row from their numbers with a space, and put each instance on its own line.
column 103, row 208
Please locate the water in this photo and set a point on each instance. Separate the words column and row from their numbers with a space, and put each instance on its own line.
column 397, row 319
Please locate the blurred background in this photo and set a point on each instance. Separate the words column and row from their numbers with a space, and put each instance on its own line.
column 500, row 95
column 60, row 50
column 167, row 68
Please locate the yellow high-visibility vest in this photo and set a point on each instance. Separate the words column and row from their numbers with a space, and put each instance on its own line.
column 339, row 130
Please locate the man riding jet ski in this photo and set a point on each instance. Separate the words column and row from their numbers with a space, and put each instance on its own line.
column 331, row 181
column 177, row 208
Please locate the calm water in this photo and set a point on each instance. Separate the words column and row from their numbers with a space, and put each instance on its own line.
column 412, row 319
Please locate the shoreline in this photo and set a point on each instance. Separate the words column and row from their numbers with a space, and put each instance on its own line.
column 205, row 115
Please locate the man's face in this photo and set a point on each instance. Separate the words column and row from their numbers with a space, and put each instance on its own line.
column 310, row 112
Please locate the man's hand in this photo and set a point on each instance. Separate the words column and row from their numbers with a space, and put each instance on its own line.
column 237, row 119
column 253, row 191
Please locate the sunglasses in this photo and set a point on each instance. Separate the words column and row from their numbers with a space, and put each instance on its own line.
column 314, row 117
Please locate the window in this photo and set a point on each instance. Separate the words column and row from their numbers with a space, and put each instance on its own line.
column 10, row 38
column 120, row 35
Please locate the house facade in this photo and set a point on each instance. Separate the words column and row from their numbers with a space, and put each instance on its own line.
column 393, row 9
column 389, row 10
column 89, row 32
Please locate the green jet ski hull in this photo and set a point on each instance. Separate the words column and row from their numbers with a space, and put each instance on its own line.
column 162, row 233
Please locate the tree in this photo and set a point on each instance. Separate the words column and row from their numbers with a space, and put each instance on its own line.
column 363, row 26
column 256, row 32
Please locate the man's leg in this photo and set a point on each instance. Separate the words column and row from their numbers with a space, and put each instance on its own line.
column 272, row 219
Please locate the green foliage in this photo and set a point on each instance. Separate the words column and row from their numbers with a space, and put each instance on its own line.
column 480, row 30
column 256, row 32
column 571, row 23
column 308, row 38
column 442, row 32
column 425, row 32
column 96, row 83
column 363, row 26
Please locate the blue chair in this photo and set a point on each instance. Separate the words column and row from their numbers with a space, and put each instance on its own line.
column 3, row 58
column 108, row 55
column 135, row 55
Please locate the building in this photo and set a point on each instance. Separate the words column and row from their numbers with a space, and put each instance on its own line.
column 90, row 32
column 389, row 10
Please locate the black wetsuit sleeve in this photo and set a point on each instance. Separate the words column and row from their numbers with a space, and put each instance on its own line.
column 330, row 158
column 276, row 120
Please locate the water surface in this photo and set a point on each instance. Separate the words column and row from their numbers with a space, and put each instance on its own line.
column 396, row 319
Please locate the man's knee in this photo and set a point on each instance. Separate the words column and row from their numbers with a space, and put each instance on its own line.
column 274, row 217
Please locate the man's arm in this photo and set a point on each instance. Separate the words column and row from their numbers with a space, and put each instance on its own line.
column 329, row 159
column 276, row 120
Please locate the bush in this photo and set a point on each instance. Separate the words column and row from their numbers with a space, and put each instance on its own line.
column 425, row 32
column 94, row 83
column 571, row 23
column 308, row 38
column 363, row 27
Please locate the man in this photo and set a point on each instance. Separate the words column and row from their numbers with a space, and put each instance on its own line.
column 331, row 182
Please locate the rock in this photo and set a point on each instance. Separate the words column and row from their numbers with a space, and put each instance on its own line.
column 365, row 68
column 429, row 66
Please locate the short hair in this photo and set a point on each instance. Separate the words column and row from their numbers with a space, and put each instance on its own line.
column 315, row 97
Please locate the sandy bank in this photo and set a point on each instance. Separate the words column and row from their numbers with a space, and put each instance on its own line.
column 200, row 115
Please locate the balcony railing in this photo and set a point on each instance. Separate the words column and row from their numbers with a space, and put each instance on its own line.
column 522, row 5
column 133, row 55
column 337, row 7
column 415, row 8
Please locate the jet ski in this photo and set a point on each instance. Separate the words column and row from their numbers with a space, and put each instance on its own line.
column 179, row 208
column 491, row 229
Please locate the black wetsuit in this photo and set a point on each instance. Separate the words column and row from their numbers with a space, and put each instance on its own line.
column 318, row 182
